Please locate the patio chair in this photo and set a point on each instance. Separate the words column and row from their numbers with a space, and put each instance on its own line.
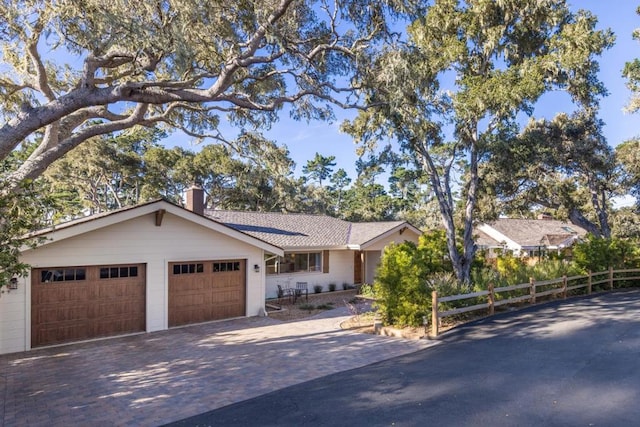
column 302, row 288
column 284, row 293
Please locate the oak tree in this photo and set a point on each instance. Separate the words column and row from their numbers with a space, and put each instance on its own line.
column 468, row 69
column 563, row 165
column 74, row 70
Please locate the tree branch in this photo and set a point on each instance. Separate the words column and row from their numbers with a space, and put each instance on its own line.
column 34, row 166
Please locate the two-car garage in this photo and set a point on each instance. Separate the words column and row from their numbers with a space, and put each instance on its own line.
column 84, row 302
column 138, row 269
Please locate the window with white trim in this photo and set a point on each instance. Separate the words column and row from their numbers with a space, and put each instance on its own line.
column 298, row 262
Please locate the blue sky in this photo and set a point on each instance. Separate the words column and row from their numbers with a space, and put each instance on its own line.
column 304, row 140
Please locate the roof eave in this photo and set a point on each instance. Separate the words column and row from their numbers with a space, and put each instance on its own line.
column 371, row 242
column 315, row 248
column 65, row 232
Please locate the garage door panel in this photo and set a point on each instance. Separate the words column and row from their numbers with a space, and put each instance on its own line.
column 113, row 309
column 214, row 291
column 87, row 305
column 115, row 326
column 60, row 333
column 56, row 292
column 227, row 297
column 55, row 315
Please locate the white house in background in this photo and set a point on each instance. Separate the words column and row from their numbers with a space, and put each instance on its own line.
column 157, row 265
column 529, row 238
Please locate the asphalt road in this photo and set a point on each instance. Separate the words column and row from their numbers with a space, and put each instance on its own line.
column 570, row 363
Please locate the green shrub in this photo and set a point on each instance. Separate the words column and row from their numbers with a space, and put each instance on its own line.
column 447, row 284
column 482, row 277
column 317, row 288
column 325, row 306
column 403, row 295
column 513, row 269
column 553, row 269
column 332, row 287
column 400, row 287
column 599, row 254
column 433, row 253
column 367, row 290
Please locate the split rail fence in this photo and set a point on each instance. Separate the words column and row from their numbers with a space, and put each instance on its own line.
column 528, row 292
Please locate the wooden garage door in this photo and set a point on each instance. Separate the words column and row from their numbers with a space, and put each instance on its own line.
column 78, row 303
column 200, row 291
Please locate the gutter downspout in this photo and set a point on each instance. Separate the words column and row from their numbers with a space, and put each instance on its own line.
column 264, row 268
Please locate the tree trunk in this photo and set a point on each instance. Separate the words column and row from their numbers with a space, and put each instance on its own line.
column 461, row 262
column 469, row 246
column 601, row 208
column 576, row 217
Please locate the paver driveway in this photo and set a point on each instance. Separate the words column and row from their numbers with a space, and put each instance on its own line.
column 568, row 363
column 151, row 379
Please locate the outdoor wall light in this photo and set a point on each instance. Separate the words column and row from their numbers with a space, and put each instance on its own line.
column 13, row 283
column 256, row 268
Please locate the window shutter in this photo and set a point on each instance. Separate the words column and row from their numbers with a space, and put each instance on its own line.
column 325, row 261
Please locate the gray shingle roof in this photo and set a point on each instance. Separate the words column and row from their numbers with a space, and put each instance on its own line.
column 363, row 232
column 289, row 230
column 482, row 239
column 534, row 232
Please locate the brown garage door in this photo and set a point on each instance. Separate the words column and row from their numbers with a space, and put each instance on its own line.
column 200, row 291
column 78, row 303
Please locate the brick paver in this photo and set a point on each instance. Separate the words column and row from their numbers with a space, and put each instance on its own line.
column 151, row 379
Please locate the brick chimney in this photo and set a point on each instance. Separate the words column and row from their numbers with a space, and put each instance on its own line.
column 545, row 216
column 195, row 199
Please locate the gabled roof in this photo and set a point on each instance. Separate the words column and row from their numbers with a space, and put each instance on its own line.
column 270, row 231
column 298, row 231
column 483, row 240
column 529, row 232
column 364, row 234
column 157, row 207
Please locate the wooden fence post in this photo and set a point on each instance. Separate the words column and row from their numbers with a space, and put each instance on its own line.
column 434, row 314
column 611, row 278
column 564, row 286
column 492, row 300
column 589, row 283
column 532, row 290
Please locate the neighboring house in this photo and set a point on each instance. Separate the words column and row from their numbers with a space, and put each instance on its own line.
column 157, row 265
column 527, row 238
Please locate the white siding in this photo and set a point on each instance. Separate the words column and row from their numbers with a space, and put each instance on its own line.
column 134, row 241
column 340, row 271
column 12, row 318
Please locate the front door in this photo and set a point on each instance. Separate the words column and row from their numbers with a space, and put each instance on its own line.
column 357, row 267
